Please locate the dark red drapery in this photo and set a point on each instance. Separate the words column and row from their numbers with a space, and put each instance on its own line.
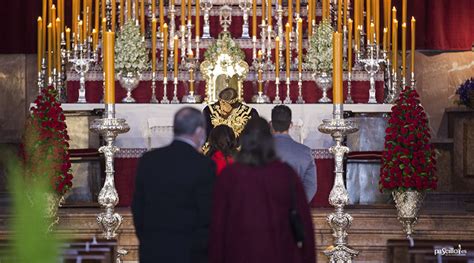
column 441, row 24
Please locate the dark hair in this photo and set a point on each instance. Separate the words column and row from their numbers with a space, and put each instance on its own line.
column 187, row 120
column 281, row 118
column 228, row 94
column 222, row 138
column 257, row 147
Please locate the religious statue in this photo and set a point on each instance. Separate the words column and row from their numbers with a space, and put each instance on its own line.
column 228, row 110
column 224, row 70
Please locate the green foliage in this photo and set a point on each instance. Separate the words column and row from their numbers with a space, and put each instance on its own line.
column 319, row 55
column 130, row 49
column 31, row 240
column 224, row 44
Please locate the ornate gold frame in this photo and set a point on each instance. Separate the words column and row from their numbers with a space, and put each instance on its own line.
column 224, row 64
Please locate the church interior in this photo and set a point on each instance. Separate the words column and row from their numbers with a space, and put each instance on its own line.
column 356, row 74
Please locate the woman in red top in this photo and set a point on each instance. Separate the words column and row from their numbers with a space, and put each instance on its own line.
column 222, row 146
column 251, row 206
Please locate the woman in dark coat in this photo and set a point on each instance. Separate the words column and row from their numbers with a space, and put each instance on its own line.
column 252, row 199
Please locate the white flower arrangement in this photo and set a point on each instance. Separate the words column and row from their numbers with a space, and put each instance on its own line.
column 130, row 50
column 319, row 55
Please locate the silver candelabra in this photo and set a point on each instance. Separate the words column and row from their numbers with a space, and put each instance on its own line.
column 340, row 221
column 371, row 64
column 109, row 127
column 82, row 57
column 191, row 97
column 260, row 97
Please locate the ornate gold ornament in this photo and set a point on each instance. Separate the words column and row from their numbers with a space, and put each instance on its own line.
column 224, row 66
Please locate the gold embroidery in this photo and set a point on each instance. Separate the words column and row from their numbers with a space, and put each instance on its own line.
column 236, row 119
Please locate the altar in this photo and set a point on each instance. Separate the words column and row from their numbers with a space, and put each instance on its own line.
column 151, row 127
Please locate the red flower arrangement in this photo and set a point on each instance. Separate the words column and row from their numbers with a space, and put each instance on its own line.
column 45, row 143
column 409, row 159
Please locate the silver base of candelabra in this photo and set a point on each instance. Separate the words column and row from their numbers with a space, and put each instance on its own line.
column 338, row 128
column 109, row 127
column 260, row 98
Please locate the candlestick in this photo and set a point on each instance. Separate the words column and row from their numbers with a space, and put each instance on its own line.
column 394, row 44
column 413, row 32
column 338, row 17
column 175, row 41
column 254, row 18
column 377, row 21
column 50, row 50
column 57, row 38
column 269, row 12
column 277, row 57
column 153, row 10
column 290, row 13
column 165, row 100
column 40, row 43
column 109, row 68
column 404, row 49
column 340, row 221
column 162, row 13
column 288, row 49
column 337, row 90
column 349, row 45
column 95, row 39
column 153, row 44
column 129, row 10
column 68, row 39
column 260, row 97
column 183, row 13
column 300, row 44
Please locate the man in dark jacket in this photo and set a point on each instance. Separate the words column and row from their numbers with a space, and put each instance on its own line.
column 173, row 191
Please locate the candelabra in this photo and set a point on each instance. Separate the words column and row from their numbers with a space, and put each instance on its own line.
column 165, row 99
column 153, row 88
column 412, row 80
column 287, row 100
column 277, row 99
column 260, row 97
column 254, row 53
column 300, row 99
column 175, row 91
column 388, row 85
column 62, row 88
column 371, row 65
column 109, row 127
column 82, row 58
column 189, row 35
column 172, row 33
column 340, row 221
column 183, row 35
column 270, row 35
column 41, row 81
column 245, row 5
column 349, row 88
column 263, row 37
column 206, row 5
column 191, row 97
column 393, row 95
column 197, row 48
column 280, row 35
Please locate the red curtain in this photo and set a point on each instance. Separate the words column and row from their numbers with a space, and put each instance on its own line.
column 441, row 24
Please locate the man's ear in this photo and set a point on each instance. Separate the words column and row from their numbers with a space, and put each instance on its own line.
column 291, row 125
column 271, row 127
